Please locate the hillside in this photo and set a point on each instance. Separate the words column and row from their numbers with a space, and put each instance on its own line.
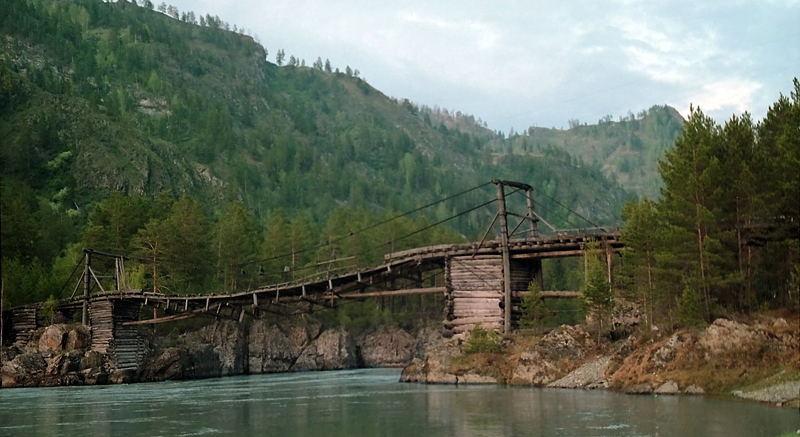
column 103, row 102
column 627, row 150
column 112, row 96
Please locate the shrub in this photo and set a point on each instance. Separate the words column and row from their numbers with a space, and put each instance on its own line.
column 482, row 341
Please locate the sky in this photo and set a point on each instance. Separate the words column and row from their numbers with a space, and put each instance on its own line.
column 516, row 64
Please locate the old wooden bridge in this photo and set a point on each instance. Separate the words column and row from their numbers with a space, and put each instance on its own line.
column 483, row 282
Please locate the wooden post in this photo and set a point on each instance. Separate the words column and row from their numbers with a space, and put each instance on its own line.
column 501, row 200
column 536, row 263
column 86, row 272
column 2, row 324
column 532, row 214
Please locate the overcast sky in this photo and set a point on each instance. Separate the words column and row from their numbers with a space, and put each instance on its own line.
column 541, row 63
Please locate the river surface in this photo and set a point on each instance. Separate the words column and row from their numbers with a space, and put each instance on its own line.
column 370, row 402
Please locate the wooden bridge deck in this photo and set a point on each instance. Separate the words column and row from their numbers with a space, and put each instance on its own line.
column 374, row 281
column 406, row 264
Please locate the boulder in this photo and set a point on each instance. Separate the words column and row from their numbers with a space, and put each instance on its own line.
column 25, row 370
column 589, row 375
column 694, row 390
column 639, row 389
column 726, row 335
column 94, row 377
column 77, row 339
column 570, row 342
column 92, row 360
column 780, row 323
column 667, row 388
column 124, row 376
column 53, row 338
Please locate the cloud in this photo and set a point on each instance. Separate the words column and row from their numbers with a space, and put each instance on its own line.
column 726, row 97
column 535, row 62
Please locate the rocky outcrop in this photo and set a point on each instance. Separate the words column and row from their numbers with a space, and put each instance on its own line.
column 591, row 375
column 60, row 355
column 56, row 355
column 686, row 362
column 387, row 348
column 434, row 367
column 272, row 348
column 332, row 350
column 552, row 357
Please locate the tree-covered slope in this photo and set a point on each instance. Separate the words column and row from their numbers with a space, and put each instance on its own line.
column 122, row 127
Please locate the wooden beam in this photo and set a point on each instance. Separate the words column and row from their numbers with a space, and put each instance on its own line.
column 552, row 254
column 411, row 291
column 553, row 294
column 172, row 318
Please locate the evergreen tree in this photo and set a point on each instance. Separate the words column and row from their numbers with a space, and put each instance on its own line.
column 639, row 236
column 691, row 172
column 236, row 243
column 534, row 312
column 597, row 294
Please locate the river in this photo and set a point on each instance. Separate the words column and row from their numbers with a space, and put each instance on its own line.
column 370, row 402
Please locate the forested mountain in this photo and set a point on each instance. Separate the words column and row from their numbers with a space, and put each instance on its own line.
column 121, row 124
column 112, row 96
column 171, row 138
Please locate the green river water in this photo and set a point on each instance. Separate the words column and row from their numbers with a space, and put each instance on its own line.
column 370, row 402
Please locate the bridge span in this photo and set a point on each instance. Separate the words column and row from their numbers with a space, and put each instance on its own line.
column 482, row 282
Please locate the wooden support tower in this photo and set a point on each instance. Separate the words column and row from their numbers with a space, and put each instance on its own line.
column 503, row 216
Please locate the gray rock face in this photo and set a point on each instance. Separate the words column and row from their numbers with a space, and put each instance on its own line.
column 229, row 341
column 434, row 367
column 60, row 356
column 272, row 349
column 533, row 369
column 332, row 350
column 388, row 348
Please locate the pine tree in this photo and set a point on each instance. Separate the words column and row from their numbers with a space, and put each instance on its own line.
column 237, row 242
column 690, row 172
column 534, row 312
column 639, row 236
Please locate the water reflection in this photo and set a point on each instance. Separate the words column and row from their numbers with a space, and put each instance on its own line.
column 368, row 403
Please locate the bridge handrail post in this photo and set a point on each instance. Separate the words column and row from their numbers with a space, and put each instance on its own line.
column 86, row 272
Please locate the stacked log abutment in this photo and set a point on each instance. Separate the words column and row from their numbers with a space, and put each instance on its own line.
column 475, row 293
column 23, row 323
column 124, row 345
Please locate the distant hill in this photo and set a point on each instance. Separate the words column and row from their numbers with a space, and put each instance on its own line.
column 627, row 149
column 98, row 97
